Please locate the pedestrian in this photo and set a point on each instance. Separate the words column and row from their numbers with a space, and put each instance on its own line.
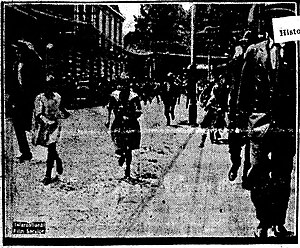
column 169, row 97
column 237, row 138
column 125, row 129
column 214, row 119
column 23, row 79
column 48, row 112
column 267, row 109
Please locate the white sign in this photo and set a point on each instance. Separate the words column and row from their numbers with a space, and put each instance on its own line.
column 286, row 29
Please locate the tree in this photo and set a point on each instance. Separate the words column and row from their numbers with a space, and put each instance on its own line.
column 162, row 28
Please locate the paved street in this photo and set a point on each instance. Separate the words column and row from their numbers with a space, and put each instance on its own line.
column 181, row 191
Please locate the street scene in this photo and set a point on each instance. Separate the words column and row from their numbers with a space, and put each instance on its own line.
column 177, row 125
column 182, row 190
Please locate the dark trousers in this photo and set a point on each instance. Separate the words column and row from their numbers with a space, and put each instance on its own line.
column 235, row 144
column 270, row 176
column 21, row 136
column 169, row 109
column 51, row 157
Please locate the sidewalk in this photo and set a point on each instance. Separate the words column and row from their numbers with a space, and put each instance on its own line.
column 196, row 199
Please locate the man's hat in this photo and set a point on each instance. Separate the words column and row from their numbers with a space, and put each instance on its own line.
column 275, row 10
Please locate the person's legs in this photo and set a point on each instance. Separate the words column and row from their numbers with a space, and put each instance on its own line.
column 282, row 166
column 260, row 198
column 203, row 138
column 167, row 113
column 51, row 157
column 128, row 155
column 59, row 167
column 22, row 141
column 259, row 181
column 212, row 135
column 121, row 159
column 247, row 165
column 235, row 145
column 172, row 110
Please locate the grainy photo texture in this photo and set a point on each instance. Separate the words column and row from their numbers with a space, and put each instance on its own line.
column 129, row 123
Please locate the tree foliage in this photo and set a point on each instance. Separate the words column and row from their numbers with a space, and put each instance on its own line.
column 162, row 27
column 166, row 28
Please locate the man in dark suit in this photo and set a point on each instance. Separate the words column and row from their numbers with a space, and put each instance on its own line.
column 267, row 109
column 236, row 138
column 24, row 76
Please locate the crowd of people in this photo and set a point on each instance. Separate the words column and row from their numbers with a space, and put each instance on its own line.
column 253, row 96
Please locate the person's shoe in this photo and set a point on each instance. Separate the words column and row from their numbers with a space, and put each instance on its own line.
column 261, row 232
column 281, row 232
column 24, row 157
column 59, row 167
column 121, row 160
column 271, row 233
column 245, row 184
column 118, row 152
column 232, row 175
column 46, row 181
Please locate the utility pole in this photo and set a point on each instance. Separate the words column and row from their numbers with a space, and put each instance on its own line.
column 192, row 71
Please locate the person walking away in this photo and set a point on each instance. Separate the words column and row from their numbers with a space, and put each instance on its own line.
column 214, row 118
column 24, row 74
column 48, row 112
column 237, row 138
column 125, row 129
column 267, row 103
column 169, row 97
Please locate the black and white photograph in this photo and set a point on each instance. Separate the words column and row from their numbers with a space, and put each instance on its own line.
column 140, row 123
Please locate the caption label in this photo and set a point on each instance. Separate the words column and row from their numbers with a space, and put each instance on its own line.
column 286, row 29
column 29, row 227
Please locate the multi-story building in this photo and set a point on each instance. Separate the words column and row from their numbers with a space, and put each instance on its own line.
column 81, row 44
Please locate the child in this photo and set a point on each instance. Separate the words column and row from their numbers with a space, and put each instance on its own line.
column 48, row 113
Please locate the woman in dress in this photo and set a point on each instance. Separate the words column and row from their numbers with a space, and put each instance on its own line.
column 48, row 113
column 125, row 129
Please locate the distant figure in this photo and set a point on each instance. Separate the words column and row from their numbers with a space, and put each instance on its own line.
column 48, row 113
column 125, row 129
column 169, row 94
column 216, row 106
column 23, row 81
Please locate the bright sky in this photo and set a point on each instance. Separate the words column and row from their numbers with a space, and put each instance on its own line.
column 128, row 10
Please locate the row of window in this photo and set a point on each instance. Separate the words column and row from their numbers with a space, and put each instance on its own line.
column 103, row 18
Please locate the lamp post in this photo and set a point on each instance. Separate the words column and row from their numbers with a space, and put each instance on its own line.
column 192, row 71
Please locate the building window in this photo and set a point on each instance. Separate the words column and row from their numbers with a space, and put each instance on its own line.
column 112, row 28
column 88, row 13
column 107, row 27
column 120, row 34
column 101, row 20
column 116, row 32
column 104, row 23
column 97, row 16
column 81, row 13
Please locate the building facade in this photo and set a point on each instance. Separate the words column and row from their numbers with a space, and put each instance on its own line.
column 81, row 44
